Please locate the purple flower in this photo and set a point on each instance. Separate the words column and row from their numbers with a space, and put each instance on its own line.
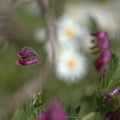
column 28, row 57
column 116, row 91
column 27, row 61
column 101, row 40
column 55, row 112
column 26, row 52
column 108, row 94
column 113, row 115
column 110, row 116
column 102, row 60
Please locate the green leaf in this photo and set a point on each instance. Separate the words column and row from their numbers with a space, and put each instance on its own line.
column 109, row 81
column 31, row 109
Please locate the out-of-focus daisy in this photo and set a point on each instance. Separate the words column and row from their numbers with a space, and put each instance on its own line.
column 105, row 18
column 79, row 11
column 69, row 31
column 105, row 15
column 87, row 43
column 70, row 66
column 39, row 35
column 59, row 49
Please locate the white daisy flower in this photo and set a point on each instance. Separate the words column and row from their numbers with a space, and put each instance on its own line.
column 70, row 66
column 69, row 31
column 105, row 15
column 59, row 50
column 79, row 12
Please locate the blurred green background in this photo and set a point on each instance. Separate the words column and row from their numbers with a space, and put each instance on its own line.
column 12, row 77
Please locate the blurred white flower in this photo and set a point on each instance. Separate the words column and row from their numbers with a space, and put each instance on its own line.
column 70, row 66
column 105, row 18
column 69, row 31
column 39, row 34
column 79, row 12
column 59, row 49
column 105, row 15
column 87, row 43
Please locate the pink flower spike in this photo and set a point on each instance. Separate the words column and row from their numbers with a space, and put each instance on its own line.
column 116, row 90
column 55, row 112
column 43, row 116
column 101, row 39
column 26, row 52
column 110, row 116
column 113, row 115
column 103, row 59
column 106, row 56
column 27, row 61
column 100, row 34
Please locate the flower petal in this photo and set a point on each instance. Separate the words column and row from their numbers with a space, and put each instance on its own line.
column 26, row 52
column 27, row 61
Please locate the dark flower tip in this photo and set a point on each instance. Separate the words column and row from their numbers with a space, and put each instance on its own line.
column 101, row 40
column 102, row 61
column 55, row 112
column 28, row 56
column 109, row 94
column 27, row 61
column 26, row 52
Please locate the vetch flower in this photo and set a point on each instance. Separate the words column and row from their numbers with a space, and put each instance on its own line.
column 113, row 115
column 116, row 91
column 70, row 66
column 110, row 116
column 28, row 56
column 101, row 39
column 108, row 94
column 26, row 52
column 27, row 61
column 102, row 60
column 109, row 98
column 55, row 112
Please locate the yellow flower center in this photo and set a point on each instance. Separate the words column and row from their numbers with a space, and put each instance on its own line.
column 69, row 31
column 71, row 63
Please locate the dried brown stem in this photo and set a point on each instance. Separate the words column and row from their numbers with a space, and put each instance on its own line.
column 50, row 25
column 29, row 89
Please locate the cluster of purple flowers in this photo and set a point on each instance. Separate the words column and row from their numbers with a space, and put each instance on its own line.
column 28, row 56
column 110, row 94
column 55, row 112
column 101, row 40
column 115, row 114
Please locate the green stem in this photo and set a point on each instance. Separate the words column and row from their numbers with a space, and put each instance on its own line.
column 90, row 115
column 87, row 117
